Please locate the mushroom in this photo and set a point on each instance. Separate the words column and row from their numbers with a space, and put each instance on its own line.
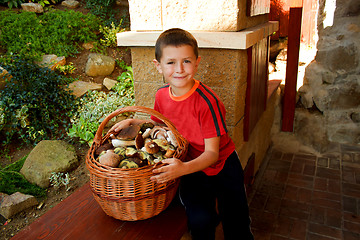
column 104, row 147
column 146, row 133
column 151, row 147
column 139, row 141
column 169, row 152
column 172, row 138
column 157, row 130
column 146, row 125
column 122, row 143
column 110, row 158
column 128, row 133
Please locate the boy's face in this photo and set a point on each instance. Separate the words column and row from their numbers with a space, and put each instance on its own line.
column 178, row 65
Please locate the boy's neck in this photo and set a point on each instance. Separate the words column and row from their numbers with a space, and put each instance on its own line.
column 178, row 92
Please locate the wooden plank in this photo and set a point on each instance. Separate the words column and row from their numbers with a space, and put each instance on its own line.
column 229, row 40
column 289, row 99
column 79, row 216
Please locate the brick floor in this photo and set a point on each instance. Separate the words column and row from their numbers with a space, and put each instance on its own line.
column 303, row 196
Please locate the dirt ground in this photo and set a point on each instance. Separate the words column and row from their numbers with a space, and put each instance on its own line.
column 79, row 176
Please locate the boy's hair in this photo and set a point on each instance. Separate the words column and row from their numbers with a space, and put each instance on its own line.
column 174, row 37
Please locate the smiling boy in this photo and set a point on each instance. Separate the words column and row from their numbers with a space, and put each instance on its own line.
column 212, row 179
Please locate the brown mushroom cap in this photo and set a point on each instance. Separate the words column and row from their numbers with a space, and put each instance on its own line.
column 151, row 147
column 129, row 133
column 110, row 159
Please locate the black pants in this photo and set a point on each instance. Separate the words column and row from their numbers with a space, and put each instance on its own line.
column 198, row 193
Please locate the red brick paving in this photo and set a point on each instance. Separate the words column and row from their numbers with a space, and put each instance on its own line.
column 303, row 196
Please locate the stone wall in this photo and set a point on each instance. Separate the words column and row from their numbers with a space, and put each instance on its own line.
column 330, row 96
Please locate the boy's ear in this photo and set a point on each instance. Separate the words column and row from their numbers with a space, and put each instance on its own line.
column 157, row 65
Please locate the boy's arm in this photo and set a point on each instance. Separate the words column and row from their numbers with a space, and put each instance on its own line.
column 176, row 168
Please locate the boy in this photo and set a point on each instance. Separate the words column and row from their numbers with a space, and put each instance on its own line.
column 212, row 170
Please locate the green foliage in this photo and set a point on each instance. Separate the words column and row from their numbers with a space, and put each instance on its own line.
column 105, row 10
column 34, row 105
column 95, row 106
column 65, row 69
column 54, row 32
column 12, row 181
column 109, row 34
column 46, row 2
column 58, row 179
column 12, row 3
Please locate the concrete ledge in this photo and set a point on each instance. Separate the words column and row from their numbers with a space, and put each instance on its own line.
column 229, row 40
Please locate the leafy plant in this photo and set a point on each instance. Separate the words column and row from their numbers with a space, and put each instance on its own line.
column 58, row 179
column 12, row 181
column 11, row 3
column 34, row 104
column 27, row 34
column 109, row 34
column 65, row 69
column 46, row 2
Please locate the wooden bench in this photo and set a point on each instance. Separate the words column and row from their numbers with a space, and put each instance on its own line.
column 79, row 216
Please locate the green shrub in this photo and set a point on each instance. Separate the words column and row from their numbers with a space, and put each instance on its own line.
column 109, row 34
column 55, row 32
column 95, row 106
column 35, row 105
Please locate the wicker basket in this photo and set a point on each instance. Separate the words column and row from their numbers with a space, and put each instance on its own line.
column 129, row 194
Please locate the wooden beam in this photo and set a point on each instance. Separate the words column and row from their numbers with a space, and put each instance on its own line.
column 294, row 38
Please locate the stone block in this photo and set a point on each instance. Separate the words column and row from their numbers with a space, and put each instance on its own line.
column 79, row 88
column 32, row 7
column 145, row 16
column 15, row 203
column 109, row 83
column 205, row 15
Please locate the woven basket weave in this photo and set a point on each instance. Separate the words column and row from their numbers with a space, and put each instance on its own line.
column 129, row 194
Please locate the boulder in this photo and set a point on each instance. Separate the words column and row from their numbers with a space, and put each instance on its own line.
column 32, row 7
column 15, row 203
column 79, row 88
column 70, row 4
column 48, row 156
column 109, row 83
column 99, row 65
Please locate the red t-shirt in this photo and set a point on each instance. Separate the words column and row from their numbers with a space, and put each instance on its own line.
column 197, row 115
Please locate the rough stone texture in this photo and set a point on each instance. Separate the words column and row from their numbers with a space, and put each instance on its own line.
column 332, row 81
column 79, row 88
column 51, row 61
column 70, row 4
column 15, row 203
column 144, row 16
column 204, row 15
column 99, row 65
column 48, row 156
column 109, row 83
column 201, row 15
column 32, row 7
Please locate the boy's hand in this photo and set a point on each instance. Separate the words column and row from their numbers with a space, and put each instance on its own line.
column 172, row 170
column 120, row 125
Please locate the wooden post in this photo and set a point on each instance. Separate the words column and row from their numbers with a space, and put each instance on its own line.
column 294, row 38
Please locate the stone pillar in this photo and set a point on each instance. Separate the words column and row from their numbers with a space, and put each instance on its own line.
column 224, row 33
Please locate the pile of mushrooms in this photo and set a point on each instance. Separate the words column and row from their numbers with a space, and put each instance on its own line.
column 137, row 146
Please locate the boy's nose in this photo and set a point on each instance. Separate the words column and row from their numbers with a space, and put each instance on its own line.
column 179, row 67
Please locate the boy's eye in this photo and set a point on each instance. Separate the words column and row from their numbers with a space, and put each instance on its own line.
column 187, row 61
column 170, row 62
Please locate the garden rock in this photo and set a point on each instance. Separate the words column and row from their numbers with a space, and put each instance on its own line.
column 71, row 4
column 49, row 156
column 15, row 203
column 109, row 83
column 99, row 65
column 79, row 88
column 51, row 61
column 32, row 7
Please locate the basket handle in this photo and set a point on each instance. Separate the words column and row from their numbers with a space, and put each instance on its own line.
column 98, row 135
